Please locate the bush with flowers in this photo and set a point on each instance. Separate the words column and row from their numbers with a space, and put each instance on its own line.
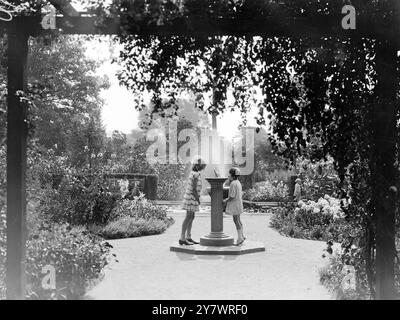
column 318, row 220
column 3, row 252
column 59, row 217
column 345, row 273
column 267, row 191
column 135, row 218
column 77, row 256
column 318, row 178
column 80, row 199
column 341, row 275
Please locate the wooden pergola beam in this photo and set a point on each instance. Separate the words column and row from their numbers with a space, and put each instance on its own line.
column 300, row 27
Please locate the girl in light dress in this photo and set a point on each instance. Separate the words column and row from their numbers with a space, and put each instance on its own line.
column 234, row 203
column 191, row 201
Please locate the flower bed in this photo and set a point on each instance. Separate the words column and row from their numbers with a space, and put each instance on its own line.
column 321, row 220
column 267, row 191
column 138, row 208
column 80, row 200
column 340, row 279
column 128, row 227
column 135, row 218
column 345, row 273
column 78, row 259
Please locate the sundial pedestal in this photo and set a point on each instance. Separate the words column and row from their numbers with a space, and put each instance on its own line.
column 217, row 242
column 217, row 237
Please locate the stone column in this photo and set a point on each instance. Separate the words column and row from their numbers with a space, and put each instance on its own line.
column 216, row 237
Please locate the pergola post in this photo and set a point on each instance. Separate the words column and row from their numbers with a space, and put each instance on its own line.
column 383, row 170
column 16, row 162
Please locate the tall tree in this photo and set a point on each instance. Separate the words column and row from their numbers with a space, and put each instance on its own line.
column 65, row 113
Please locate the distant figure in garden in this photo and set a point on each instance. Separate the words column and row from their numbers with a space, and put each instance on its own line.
column 191, row 201
column 297, row 190
column 234, row 203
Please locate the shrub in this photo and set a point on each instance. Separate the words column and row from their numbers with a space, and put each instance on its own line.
column 130, row 227
column 318, row 178
column 351, row 257
column 135, row 218
column 3, row 172
column 333, row 276
column 2, row 220
column 322, row 220
column 2, row 251
column 78, row 258
column 171, row 177
column 267, row 191
column 139, row 208
column 171, row 181
column 80, row 199
column 45, row 167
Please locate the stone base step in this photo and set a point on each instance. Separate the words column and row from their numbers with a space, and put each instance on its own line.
column 246, row 248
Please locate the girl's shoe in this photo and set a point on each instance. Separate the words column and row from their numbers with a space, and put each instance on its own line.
column 240, row 243
column 192, row 241
column 186, row 243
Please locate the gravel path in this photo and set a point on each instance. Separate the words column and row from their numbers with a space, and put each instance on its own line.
column 147, row 270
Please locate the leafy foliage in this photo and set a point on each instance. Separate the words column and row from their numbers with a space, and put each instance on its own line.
column 135, row 218
column 64, row 98
column 333, row 273
column 171, row 182
column 3, row 246
column 322, row 220
column 267, row 191
column 77, row 257
column 128, row 227
column 267, row 164
column 317, row 178
column 81, row 199
column 131, row 157
column 333, row 277
column 139, row 208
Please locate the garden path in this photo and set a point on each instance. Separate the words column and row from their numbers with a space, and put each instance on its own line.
column 147, row 270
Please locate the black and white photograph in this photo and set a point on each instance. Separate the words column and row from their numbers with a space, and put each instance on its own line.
column 199, row 155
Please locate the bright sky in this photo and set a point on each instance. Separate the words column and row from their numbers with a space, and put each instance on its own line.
column 119, row 113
